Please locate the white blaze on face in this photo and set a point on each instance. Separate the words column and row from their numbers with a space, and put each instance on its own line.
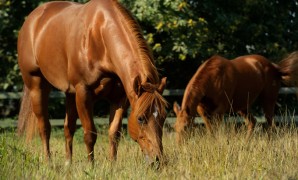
column 155, row 113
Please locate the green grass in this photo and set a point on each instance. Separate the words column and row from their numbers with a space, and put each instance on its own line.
column 225, row 156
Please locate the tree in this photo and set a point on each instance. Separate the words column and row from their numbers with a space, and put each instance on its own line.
column 185, row 33
column 12, row 16
column 182, row 33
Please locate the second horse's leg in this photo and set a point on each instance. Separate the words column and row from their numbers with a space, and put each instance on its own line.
column 202, row 112
column 250, row 122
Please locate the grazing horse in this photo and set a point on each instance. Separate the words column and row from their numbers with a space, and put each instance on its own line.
column 91, row 51
column 221, row 86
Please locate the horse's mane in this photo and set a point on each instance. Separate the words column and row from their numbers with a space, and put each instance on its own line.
column 198, row 84
column 149, row 73
column 149, row 100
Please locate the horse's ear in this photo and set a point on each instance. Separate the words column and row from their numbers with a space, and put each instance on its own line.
column 176, row 108
column 162, row 85
column 137, row 85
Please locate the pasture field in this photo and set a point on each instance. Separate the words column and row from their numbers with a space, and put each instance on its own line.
column 226, row 155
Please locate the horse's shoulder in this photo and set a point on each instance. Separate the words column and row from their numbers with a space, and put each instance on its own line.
column 217, row 62
column 212, row 66
column 217, row 58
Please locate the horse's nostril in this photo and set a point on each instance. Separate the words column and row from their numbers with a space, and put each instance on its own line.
column 155, row 164
column 157, row 159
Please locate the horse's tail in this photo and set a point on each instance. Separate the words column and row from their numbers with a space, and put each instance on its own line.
column 27, row 121
column 288, row 68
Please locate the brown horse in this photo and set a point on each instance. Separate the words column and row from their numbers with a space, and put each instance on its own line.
column 91, row 51
column 221, row 86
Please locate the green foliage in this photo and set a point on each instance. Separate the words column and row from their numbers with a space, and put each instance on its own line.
column 195, row 30
column 180, row 30
column 184, row 33
column 171, row 28
column 12, row 15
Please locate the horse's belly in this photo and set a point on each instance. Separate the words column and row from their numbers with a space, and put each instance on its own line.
column 53, row 63
column 57, row 78
column 242, row 100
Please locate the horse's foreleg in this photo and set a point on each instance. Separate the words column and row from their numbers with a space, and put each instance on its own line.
column 206, row 119
column 216, row 120
column 116, row 114
column 85, row 102
column 40, row 96
column 70, row 125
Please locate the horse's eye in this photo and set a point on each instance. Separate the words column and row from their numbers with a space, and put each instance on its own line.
column 141, row 120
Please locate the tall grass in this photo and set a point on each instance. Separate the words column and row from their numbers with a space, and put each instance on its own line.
column 226, row 155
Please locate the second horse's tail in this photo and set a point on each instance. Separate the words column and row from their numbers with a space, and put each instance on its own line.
column 289, row 69
column 27, row 121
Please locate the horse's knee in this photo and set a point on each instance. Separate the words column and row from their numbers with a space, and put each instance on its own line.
column 251, row 124
column 208, row 125
column 114, row 136
column 90, row 139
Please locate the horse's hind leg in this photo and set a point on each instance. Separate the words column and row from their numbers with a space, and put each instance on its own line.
column 85, row 103
column 250, row 122
column 269, row 113
column 39, row 93
column 70, row 125
column 116, row 114
column 268, row 104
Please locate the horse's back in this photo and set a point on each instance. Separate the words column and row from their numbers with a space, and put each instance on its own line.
column 256, row 67
column 256, row 76
column 39, row 18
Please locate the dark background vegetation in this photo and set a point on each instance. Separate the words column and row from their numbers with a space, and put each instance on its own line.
column 181, row 33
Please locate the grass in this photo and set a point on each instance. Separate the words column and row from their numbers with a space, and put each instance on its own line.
column 226, row 155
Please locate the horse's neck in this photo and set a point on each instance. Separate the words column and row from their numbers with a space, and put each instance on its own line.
column 191, row 101
column 132, row 58
column 116, row 43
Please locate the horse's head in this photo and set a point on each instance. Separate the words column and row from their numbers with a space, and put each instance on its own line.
column 183, row 121
column 147, row 119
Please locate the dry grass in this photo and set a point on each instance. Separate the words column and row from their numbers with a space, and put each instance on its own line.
column 226, row 155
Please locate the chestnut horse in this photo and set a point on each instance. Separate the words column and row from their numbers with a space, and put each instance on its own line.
column 221, row 86
column 91, row 51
